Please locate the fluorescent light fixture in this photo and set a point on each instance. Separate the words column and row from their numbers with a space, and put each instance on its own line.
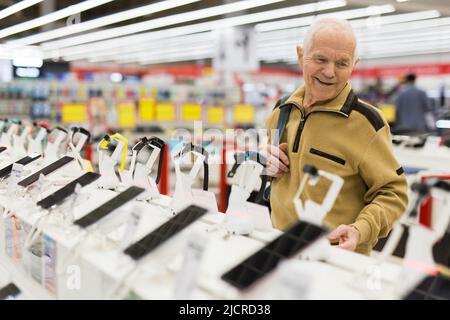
column 392, row 23
column 17, row 7
column 162, row 54
column 199, row 14
column 443, row 124
column 153, row 24
column 51, row 17
column 27, row 72
column 103, row 21
column 345, row 14
column 183, row 42
column 374, row 22
column 28, row 62
column 196, row 28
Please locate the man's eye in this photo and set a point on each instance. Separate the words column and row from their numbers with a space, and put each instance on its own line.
column 321, row 60
column 342, row 64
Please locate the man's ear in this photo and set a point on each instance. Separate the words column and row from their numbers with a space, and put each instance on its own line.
column 356, row 62
column 300, row 56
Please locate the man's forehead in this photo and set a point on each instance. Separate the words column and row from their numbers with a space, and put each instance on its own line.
column 331, row 52
column 331, row 40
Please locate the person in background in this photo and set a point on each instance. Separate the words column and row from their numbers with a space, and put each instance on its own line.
column 330, row 128
column 413, row 109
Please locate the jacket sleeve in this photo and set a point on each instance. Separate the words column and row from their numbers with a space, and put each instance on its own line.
column 387, row 190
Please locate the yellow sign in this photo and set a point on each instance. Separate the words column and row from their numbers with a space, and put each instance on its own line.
column 244, row 113
column 216, row 114
column 165, row 112
column 388, row 111
column 147, row 109
column 126, row 114
column 74, row 113
column 191, row 112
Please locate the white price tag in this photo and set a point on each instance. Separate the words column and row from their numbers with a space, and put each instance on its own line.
column 16, row 173
column 293, row 283
column 187, row 276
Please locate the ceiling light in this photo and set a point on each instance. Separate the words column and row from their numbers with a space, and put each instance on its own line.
column 17, row 7
column 345, row 14
column 51, row 17
column 103, row 21
column 142, row 26
column 195, row 28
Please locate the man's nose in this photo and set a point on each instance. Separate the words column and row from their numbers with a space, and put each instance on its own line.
column 328, row 70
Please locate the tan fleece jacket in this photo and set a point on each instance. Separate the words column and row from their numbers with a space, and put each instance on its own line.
column 349, row 138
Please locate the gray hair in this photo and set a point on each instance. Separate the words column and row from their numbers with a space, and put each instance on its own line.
column 331, row 24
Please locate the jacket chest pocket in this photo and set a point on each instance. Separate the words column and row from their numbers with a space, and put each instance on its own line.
column 328, row 156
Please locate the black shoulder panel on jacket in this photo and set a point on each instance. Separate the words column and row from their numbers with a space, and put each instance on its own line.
column 371, row 114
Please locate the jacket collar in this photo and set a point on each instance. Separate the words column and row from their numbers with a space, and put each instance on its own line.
column 342, row 104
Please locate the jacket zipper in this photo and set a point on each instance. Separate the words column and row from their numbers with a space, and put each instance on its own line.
column 302, row 125
column 299, row 134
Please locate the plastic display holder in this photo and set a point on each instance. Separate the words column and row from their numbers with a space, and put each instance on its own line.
column 243, row 217
column 18, row 149
column 418, row 261
column 78, row 137
column 185, row 194
column 52, row 148
column 313, row 212
column 35, row 144
column 108, row 162
column 16, row 174
column 6, row 137
column 138, row 173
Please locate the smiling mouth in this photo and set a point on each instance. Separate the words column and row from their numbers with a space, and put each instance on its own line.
column 324, row 83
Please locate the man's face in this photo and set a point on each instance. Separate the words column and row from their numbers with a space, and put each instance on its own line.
column 328, row 64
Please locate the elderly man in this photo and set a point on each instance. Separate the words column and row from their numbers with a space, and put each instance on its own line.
column 329, row 127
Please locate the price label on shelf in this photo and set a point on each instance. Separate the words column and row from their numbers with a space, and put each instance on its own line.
column 216, row 114
column 74, row 113
column 191, row 112
column 126, row 114
column 244, row 113
column 165, row 112
column 147, row 109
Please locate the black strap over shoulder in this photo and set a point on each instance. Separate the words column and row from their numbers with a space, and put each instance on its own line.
column 283, row 118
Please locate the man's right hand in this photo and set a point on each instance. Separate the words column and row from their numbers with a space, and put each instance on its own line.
column 277, row 160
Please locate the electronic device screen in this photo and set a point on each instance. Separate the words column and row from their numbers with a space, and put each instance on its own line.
column 45, row 171
column 24, row 161
column 109, row 206
column 431, row 288
column 61, row 194
column 255, row 267
column 9, row 291
column 163, row 233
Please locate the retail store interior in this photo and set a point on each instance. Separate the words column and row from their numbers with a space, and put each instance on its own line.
column 131, row 138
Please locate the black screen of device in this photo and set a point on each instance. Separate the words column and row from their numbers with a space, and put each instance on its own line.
column 24, row 161
column 431, row 288
column 255, row 267
column 109, row 206
column 45, row 171
column 61, row 194
column 163, row 233
column 9, row 291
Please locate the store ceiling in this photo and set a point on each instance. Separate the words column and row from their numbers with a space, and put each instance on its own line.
column 66, row 46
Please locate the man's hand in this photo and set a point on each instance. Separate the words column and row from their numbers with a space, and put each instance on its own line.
column 277, row 160
column 348, row 237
